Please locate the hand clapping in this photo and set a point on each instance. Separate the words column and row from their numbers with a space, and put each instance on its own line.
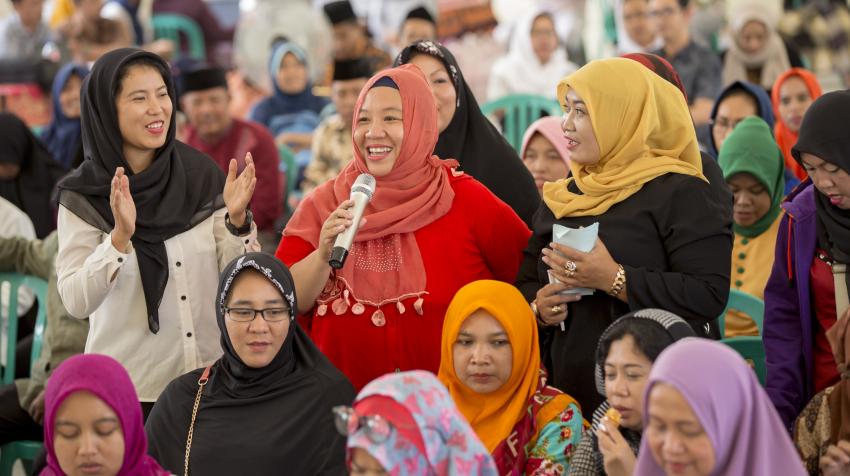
column 239, row 190
column 123, row 210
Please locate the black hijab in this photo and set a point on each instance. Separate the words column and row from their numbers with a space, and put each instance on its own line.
column 272, row 420
column 824, row 133
column 31, row 189
column 476, row 144
column 181, row 188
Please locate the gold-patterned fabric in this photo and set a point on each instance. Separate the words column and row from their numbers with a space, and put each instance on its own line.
column 812, row 431
column 332, row 150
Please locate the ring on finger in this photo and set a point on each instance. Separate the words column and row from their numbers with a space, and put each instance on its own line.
column 557, row 309
column 570, row 267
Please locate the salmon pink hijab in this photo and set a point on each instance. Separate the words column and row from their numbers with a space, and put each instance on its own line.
column 104, row 377
column 384, row 266
column 785, row 137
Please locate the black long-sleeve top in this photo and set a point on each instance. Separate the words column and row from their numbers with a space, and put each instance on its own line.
column 674, row 240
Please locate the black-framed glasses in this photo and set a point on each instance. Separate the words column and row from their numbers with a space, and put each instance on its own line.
column 247, row 314
column 347, row 421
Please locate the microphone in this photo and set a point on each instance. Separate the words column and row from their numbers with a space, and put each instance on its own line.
column 361, row 193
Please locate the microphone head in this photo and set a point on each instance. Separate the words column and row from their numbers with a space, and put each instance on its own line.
column 365, row 183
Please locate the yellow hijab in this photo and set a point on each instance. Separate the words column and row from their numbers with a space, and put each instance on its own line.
column 643, row 128
column 494, row 415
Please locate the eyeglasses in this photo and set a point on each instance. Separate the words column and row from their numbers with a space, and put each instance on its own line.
column 244, row 314
column 664, row 12
column 375, row 427
column 726, row 124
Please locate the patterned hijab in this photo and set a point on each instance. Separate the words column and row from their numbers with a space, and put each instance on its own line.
column 104, row 377
column 441, row 444
column 415, row 193
column 495, row 415
column 627, row 119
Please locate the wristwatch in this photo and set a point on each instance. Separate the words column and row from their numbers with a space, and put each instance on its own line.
column 244, row 229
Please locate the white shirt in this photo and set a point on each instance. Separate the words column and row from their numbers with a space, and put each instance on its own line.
column 98, row 281
column 15, row 223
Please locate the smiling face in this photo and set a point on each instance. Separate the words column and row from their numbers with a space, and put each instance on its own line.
column 441, row 86
column 752, row 200
column 88, row 438
column 208, row 112
column 144, row 111
column 69, row 98
column 626, row 372
column 677, row 440
column 581, row 139
column 830, row 180
column 543, row 161
column 482, row 353
column 256, row 342
column 794, row 101
column 379, row 131
column 752, row 37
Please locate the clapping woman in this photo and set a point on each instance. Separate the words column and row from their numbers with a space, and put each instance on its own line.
column 145, row 225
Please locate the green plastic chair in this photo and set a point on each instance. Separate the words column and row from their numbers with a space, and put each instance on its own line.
column 290, row 166
column 751, row 349
column 520, row 111
column 26, row 451
column 746, row 303
column 170, row 27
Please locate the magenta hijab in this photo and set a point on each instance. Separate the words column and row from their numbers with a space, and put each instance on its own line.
column 104, row 377
column 550, row 128
column 745, row 431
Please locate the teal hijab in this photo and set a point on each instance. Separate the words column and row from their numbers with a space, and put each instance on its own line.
column 750, row 148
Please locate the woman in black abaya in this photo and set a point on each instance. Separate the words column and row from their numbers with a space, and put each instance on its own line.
column 265, row 410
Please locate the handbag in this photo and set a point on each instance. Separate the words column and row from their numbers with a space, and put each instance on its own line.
column 205, row 376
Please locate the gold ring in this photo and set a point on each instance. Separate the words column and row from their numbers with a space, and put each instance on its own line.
column 570, row 268
column 556, row 309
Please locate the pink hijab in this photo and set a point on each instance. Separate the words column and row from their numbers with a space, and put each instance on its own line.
column 550, row 128
column 385, row 265
column 105, row 378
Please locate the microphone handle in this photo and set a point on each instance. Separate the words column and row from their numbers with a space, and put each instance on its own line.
column 343, row 242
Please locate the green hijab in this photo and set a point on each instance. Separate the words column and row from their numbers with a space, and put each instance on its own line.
column 751, row 148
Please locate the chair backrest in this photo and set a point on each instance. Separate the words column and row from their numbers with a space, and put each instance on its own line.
column 751, row 349
column 170, row 26
column 746, row 303
column 288, row 165
column 520, row 110
column 10, row 320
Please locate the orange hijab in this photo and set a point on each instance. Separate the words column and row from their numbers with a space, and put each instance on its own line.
column 384, row 265
column 494, row 415
column 785, row 137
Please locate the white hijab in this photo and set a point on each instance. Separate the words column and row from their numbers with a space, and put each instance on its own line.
column 520, row 70
column 772, row 58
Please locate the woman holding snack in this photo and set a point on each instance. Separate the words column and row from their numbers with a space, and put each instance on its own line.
column 624, row 357
column 664, row 239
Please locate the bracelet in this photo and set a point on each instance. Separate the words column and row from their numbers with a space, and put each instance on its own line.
column 536, row 312
column 619, row 282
